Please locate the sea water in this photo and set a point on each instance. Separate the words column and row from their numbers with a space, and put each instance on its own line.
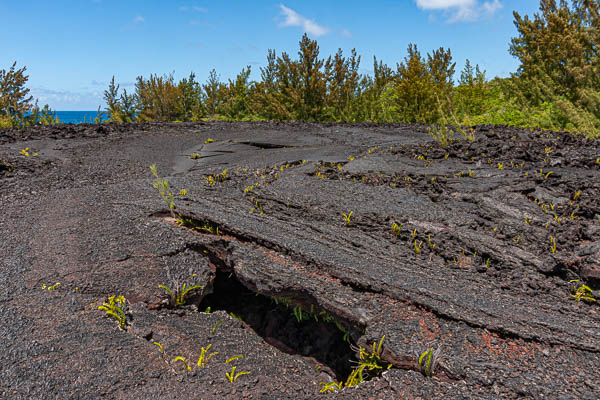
column 77, row 117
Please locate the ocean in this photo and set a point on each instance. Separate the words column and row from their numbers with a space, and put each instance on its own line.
column 77, row 117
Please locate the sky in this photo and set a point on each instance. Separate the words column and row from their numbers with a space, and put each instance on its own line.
column 72, row 48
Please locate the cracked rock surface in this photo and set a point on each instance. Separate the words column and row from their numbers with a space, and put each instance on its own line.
column 479, row 249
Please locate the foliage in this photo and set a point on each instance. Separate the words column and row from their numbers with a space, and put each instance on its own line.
column 556, row 87
column 232, row 376
column 16, row 105
column 347, row 217
column 203, row 359
column 183, row 361
column 560, row 64
column 15, row 101
column 119, row 108
column 428, row 361
column 582, row 292
column 369, row 363
column 115, row 307
column 165, row 192
column 178, row 294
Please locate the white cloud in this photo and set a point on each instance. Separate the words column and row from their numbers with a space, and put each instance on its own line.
column 461, row 10
column 292, row 18
column 346, row 33
column 193, row 8
column 138, row 19
column 68, row 100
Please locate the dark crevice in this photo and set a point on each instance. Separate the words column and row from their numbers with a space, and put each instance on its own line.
column 276, row 321
column 263, row 145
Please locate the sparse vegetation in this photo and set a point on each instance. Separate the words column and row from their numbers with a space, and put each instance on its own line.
column 428, row 361
column 165, row 192
column 177, row 295
column 115, row 308
column 582, row 292
column 204, row 358
column 347, row 218
column 369, row 365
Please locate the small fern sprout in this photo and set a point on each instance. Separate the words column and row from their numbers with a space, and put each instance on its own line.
column 347, row 217
column 428, row 361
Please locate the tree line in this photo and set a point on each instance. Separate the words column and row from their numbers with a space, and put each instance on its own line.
column 557, row 84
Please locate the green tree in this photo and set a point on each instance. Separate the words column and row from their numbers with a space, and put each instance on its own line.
column 189, row 106
column 343, row 86
column 559, row 61
column 43, row 116
column 267, row 99
column 471, row 92
column 157, row 98
column 414, row 92
column 113, row 102
column 236, row 106
column 312, row 82
column 15, row 101
column 212, row 93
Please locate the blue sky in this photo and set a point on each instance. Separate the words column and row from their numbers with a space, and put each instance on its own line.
column 72, row 48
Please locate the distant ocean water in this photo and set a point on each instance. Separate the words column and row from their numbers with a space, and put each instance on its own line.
column 76, row 117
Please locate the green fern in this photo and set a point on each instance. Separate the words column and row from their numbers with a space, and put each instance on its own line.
column 115, row 308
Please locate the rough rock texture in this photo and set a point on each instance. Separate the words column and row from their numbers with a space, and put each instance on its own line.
column 492, row 240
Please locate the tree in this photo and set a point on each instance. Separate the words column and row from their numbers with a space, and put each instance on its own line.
column 471, row 92
column 415, row 95
column 342, row 85
column 212, row 93
column 312, row 80
column 128, row 107
column 237, row 92
column 559, row 55
column 113, row 103
column 189, row 106
column 14, row 100
column 157, row 98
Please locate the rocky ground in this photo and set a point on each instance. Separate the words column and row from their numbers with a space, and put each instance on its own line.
column 482, row 252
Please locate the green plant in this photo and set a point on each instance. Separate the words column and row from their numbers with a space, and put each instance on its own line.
column 163, row 186
column 212, row 330
column 53, row 287
column 184, row 361
column 583, row 292
column 232, row 376
column 346, row 336
column 25, row 152
column 203, row 359
column 115, row 308
column 441, row 134
column 553, row 244
column 347, row 217
column 300, row 315
column 160, row 348
column 331, row 386
column 418, row 246
column 428, row 361
column 396, row 229
column 177, row 295
column 430, row 242
column 236, row 316
column 230, row 359
column 367, row 363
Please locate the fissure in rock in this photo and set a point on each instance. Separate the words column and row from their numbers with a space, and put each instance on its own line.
column 284, row 325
